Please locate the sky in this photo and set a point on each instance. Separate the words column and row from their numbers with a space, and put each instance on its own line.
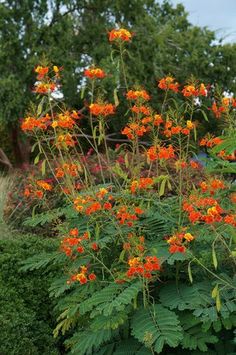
column 219, row 15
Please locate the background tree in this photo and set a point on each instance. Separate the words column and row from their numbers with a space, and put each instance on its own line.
column 73, row 34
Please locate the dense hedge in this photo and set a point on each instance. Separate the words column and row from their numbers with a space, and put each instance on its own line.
column 25, row 307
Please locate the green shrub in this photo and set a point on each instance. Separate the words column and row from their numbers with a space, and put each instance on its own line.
column 25, row 308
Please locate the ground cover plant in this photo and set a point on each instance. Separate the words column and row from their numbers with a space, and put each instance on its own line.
column 145, row 228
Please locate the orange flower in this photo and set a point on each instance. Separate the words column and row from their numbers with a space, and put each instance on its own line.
column 175, row 130
column 155, row 153
column 202, row 90
column 44, row 88
column 39, row 194
column 94, row 207
column 30, row 123
column 185, row 131
column 194, row 164
column 94, row 246
column 138, row 94
column 194, row 216
column 102, row 109
column 141, row 109
column 121, row 34
column 41, row 71
column 107, row 206
column 92, row 277
column 66, row 140
column 190, row 124
column 45, row 185
column 189, row 90
column 134, row 129
column 94, row 73
column 74, row 232
column 177, row 241
column 168, row 83
column 217, row 110
column 157, row 120
column 26, row 192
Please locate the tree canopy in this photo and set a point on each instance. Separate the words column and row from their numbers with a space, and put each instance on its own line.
column 73, row 34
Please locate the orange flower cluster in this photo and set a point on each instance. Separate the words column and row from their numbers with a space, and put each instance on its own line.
column 137, row 267
column 45, row 85
column 90, row 205
column 65, row 140
column 217, row 110
column 141, row 184
column 34, row 191
column 125, row 217
column 138, row 94
column 212, row 186
column 170, row 130
column 169, row 83
column 31, row 123
column 158, row 152
column 41, row 71
column 133, row 130
column 210, row 141
column 66, row 119
column 69, row 169
column 194, row 164
column 192, row 90
column 227, row 101
column 44, row 88
column 141, row 109
column 82, row 277
column 177, row 242
column 102, row 109
column 208, row 210
column 44, row 185
column 121, row 34
column 94, row 73
column 68, row 244
column 222, row 154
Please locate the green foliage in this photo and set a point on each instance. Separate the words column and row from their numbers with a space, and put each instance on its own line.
column 194, row 336
column 156, row 327
column 88, row 342
column 25, row 308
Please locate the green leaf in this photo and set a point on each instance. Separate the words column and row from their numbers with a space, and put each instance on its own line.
column 182, row 297
column 88, row 342
column 194, row 335
column 112, row 321
column 156, row 326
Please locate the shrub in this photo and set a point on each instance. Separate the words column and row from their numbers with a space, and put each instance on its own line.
column 147, row 255
column 25, row 308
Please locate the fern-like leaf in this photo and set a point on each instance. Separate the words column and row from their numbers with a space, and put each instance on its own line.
column 110, row 298
column 183, row 297
column 156, row 326
column 194, row 335
column 88, row 342
column 111, row 322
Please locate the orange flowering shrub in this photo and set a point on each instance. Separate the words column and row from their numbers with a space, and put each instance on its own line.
column 139, row 219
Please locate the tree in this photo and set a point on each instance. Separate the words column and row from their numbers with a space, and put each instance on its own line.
column 73, row 34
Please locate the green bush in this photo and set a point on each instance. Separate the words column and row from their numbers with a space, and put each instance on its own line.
column 25, row 308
